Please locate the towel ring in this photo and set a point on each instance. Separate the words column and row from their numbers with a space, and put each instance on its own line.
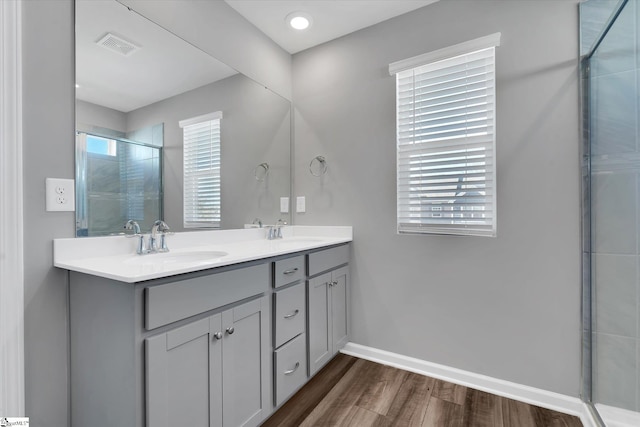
column 318, row 166
column 261, row 171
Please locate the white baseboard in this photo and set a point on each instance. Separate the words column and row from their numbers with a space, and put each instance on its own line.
column 534, row 396
column 616, row 417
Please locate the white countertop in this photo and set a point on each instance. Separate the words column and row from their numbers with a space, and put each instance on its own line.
column 115, row 257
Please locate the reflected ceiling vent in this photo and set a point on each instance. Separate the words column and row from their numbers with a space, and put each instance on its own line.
column 118, row 44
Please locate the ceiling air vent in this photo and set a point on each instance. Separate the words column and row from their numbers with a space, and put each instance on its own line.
column 117, row 44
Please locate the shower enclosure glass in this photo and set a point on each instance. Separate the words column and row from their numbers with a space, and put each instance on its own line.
column 116, row 180
column 611, row 305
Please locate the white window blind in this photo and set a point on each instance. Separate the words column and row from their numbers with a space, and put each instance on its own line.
column 446, row 140
column 201, row 149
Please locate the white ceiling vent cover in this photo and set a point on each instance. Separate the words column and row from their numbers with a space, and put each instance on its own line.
column 117, row 44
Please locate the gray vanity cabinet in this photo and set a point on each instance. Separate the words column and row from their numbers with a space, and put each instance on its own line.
column 216, row 348
column 327, row 306
column 209, row 372
column 147, row 354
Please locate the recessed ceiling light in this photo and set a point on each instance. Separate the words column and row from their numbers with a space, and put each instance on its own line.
column 299, row 20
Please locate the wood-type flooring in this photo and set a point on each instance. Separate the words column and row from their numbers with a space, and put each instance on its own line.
column 355, row 392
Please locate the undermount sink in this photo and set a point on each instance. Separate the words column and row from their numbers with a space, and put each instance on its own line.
column 183, row 257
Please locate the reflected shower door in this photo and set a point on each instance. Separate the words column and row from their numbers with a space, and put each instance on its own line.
column 116, row 180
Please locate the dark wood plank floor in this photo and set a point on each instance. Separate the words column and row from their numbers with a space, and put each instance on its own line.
column 355, row 392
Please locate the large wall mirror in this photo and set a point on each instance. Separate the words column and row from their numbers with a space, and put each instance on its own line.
column 136, row 83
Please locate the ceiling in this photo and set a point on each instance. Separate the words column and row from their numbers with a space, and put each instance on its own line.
column 330, row 18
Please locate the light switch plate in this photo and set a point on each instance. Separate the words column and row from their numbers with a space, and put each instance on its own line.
column 284, row 205
column 60, row 194
column 301, row 205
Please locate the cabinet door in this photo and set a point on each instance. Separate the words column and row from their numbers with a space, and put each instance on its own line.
column 178, row 366
column 319, row 331
column 245, row 362
column 339, row 291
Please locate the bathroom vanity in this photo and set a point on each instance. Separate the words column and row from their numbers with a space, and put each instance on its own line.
column 192, row 340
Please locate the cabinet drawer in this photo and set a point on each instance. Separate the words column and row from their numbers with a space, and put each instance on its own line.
column 290, row 364
column 288, row 271
column 289, row 314
column 175, row 301
column 327, row 259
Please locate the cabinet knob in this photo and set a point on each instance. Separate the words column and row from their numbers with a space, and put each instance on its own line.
column 230, row 330
column 334, row 283
column 218, row 335
column 291, row 271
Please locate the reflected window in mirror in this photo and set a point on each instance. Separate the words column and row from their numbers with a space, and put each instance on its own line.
column 201, row 157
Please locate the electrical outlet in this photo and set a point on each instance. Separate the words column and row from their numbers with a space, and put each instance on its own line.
column 60, row 194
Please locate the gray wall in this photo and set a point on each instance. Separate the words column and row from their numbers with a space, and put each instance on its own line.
column 507, row 307
column 48, row 138
column 256, row 128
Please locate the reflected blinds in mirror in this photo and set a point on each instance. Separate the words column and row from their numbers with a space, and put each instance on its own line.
column 202, row 184
column 446, row 144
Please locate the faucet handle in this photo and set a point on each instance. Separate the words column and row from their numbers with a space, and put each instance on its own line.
column 160, row 226
column 279, row 224
column 163, row 243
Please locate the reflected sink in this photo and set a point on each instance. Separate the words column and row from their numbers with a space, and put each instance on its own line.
column 185, row 257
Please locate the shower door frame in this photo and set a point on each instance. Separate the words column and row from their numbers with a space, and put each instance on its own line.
column 587, row 291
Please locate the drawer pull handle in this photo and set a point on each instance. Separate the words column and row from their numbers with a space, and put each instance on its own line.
column 292, row 314
column 291, row 371
column 230, row 330
column 218, row 335
column 290, row 271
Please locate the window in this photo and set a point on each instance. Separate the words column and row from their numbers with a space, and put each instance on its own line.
column 446, row 140
column 202, row 171
column 103, row 146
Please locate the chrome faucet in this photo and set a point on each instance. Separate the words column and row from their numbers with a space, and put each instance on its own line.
column 158, row 227
column 132, row 225
column 275, row 231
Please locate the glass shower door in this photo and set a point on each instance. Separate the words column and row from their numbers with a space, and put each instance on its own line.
column 612, row 166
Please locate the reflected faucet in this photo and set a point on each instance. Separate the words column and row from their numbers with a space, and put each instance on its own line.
column 257, row 221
